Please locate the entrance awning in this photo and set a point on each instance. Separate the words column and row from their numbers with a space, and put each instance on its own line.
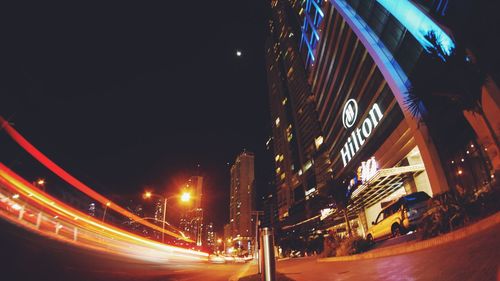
column 383, row 183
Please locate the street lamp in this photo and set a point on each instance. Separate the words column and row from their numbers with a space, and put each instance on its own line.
column 40, row 183
column 185, row 197
column 105, row 209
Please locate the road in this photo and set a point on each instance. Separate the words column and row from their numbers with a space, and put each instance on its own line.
column 27, row 256
column 475, row 258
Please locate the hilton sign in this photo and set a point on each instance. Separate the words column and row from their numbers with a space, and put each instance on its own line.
column 360, row 134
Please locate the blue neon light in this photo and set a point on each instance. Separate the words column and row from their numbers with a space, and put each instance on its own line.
column 312, row 19
column 418, row 24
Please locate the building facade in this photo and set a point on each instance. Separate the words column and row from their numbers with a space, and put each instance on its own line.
column 242, row 197
column 296, row 131
column 191, row 220
column 363, row 60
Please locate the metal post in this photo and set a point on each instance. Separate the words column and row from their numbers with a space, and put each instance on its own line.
column 259, row 257
column 104, row 214
column 75, row 234
column 268, row 264
column 164, row 218
column 38, row 220
column 21, row 213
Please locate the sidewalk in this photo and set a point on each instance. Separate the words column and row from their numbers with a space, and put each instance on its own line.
column 315, row 268
column 412, row 246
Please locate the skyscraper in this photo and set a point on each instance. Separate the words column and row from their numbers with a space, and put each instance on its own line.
column 242, row 201
column 296, row 130
column 361, row 60
column 192, row 219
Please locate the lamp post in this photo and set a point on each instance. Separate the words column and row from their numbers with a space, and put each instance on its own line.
column 256, row 213
column 105, row 209
column 40, row 183
column 185, row 197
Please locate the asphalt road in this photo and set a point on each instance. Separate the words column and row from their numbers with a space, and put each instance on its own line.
column 27, row 256
column 475, row 258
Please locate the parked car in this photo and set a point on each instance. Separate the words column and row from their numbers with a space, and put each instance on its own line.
column 399, row 217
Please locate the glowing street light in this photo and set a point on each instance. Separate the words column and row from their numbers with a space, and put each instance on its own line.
column 105, row 209
column 40, row 183
column 185, row 197
column 239, row 53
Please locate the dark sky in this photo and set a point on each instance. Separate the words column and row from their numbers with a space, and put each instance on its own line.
column 126, row 95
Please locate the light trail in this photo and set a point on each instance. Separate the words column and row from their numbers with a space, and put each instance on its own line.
column 83, row 230
column 44, row 160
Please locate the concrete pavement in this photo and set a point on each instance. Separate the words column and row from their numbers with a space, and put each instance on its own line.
column 475, row 258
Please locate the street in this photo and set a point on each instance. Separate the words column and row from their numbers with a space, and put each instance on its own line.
column 475, row 258
column 28, row 256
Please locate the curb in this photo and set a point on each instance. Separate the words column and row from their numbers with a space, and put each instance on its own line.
column 409, row 247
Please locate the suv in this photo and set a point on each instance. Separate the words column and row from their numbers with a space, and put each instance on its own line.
column 399, row 217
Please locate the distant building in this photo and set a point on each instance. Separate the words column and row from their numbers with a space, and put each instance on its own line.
column 192, row 220
column 242, row 201
column 210, row 239
column 296, row 133
column 227, row 232
column 195, row 185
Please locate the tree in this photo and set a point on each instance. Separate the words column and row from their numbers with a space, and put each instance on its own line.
column 452, row 79
column 340, row 196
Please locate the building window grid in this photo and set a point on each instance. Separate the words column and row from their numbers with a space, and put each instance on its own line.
column 313, row 16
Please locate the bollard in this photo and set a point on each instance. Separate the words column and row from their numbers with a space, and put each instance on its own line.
column 21, row 213
column 38, row 220
column 268, row 263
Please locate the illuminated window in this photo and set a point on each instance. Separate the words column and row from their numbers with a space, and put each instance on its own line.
column 278, row 170
column 284, row 101
column 308, row 165
column 283, row 176
column 277, row 122
column 318, row 141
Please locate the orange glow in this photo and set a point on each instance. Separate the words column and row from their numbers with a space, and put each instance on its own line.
column 185, row 197
column 92, row 232
column 33, row 151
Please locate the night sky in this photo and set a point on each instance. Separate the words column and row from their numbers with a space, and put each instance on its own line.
column 128, row 95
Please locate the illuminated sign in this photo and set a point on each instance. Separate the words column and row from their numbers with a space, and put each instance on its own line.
column 367, row 169
column 326, row 213
column 418, row 24
column 360, row 134
column 349, row 113
column 310, row 193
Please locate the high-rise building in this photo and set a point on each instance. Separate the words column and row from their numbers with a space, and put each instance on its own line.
column 210, row 239
column 195, row 185
column 242, row 194
column 296, row 131
column 362, row 59
column 192, row 220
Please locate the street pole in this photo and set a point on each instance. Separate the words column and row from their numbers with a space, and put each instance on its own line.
column 105, row 209
column 164, row 218
column 257, row 213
